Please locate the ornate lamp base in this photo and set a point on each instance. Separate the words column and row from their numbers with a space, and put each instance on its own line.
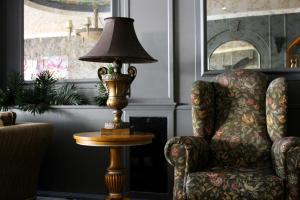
column 116, row 131
column 116, row 128
column 119, row 125
column 117, row 85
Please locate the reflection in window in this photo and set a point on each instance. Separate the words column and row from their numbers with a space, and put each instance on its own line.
column 234, row 55
column 48, row 44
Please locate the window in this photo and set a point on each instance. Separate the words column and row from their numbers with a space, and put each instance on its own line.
column 52, row 38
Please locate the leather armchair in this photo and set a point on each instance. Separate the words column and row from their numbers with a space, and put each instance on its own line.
column 239, row 149
column 22, row 147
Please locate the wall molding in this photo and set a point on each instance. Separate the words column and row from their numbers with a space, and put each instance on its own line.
column 171, row 50
column 126, row 12
column 116, row 8
column 199, row 37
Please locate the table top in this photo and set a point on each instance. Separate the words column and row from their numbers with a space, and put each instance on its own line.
column 96, row 139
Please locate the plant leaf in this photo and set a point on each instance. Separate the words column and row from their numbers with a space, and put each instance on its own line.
column 67, row 95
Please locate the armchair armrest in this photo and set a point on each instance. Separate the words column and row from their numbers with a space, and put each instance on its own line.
column 286, row 159
column 280, row 154
column 186, row 154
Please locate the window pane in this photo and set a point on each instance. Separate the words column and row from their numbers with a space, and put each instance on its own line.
column 51, row 36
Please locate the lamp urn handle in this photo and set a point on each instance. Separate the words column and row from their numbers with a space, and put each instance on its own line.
column 102, row 71
column 132, row 72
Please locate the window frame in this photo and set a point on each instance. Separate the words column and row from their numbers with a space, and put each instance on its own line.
column 115, row 10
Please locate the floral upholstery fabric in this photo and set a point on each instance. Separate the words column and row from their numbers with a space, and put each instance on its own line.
column 186, row 154
column 279, row 151
column 203, row 109
column 241, row 139
column 293, row 173
column 276, row 108
column 286, row 159
column 233, row 185
column 230, row 130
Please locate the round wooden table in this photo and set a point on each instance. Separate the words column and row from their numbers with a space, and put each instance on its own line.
column 115, row 177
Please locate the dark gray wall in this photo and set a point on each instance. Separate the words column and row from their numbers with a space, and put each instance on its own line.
column 69, row 167
column 13, row 36
column 2, row 40
column 167, row 30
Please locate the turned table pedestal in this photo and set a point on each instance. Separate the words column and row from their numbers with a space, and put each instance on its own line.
column 115, row 177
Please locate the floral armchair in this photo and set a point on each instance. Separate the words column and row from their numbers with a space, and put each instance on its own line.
column 239, row 149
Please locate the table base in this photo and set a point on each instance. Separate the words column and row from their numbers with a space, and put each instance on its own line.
column 115, row 177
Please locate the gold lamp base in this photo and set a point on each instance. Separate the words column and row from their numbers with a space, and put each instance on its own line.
column 116, row 131
column 113, row 125
column 118, row 44
column 117, row 85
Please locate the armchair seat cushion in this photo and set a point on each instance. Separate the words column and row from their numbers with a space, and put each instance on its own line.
column 234, row 185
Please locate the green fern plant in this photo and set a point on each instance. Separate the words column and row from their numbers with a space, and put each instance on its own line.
column 31, row 100
column 44, row 84
column 37, row 99
column 9, row 93
column 4, row 101
column 110, row 68
column 67, row 95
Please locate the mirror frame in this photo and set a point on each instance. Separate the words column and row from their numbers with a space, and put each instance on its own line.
column 201, row 48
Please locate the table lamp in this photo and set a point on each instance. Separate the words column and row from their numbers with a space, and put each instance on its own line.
column 118, row 44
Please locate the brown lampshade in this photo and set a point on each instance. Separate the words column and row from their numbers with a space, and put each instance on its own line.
column 118, row 41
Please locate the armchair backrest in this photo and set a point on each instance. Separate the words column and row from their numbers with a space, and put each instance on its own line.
column 231, row 114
